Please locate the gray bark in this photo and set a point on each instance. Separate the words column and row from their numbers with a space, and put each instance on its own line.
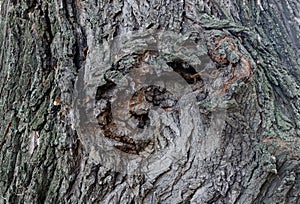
column 149, row 101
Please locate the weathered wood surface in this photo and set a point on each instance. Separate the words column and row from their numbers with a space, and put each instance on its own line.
column 230, row 135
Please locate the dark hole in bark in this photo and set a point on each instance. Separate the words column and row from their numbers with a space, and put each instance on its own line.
column 101, row 90
column 142, row 119
column 185, row 70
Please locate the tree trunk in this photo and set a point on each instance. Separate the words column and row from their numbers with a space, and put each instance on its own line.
column 150, row 101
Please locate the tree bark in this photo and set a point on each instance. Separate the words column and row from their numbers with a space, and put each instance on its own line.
column 150, row 101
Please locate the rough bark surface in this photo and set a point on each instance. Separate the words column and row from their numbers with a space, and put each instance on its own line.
column 226, row 134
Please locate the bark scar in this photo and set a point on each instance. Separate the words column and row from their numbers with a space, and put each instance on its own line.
column 242, row 68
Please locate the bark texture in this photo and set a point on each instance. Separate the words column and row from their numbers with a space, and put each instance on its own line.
column 229, row 133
